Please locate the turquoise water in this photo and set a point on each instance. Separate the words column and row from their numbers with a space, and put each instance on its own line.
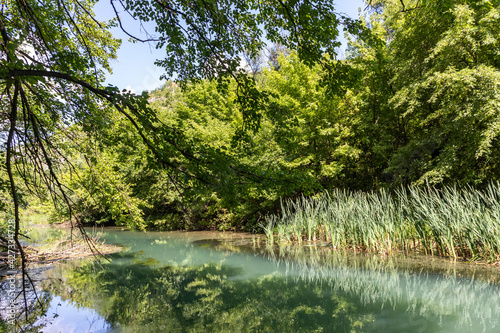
column 223, row 282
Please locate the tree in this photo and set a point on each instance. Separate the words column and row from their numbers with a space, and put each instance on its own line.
column 435, row 90
column 52, row 59
column 54, row 56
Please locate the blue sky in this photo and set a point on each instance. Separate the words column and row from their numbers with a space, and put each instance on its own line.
column 134, row 69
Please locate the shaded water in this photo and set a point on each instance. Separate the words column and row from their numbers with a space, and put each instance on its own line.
column 214, row 282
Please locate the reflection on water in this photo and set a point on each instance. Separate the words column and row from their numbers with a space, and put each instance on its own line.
column 212, row 282
column 66, row 316
column 403, row 288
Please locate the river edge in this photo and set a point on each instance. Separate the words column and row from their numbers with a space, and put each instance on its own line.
column 319, row 253
column 70, row 248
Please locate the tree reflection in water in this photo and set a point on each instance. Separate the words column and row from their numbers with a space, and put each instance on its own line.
column 206, row 298
column 310, row 289
column 15, row 310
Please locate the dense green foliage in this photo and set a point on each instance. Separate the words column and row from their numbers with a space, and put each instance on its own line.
column 415, row 102
column 431, row 89
column 302, row 147
column 59, row 118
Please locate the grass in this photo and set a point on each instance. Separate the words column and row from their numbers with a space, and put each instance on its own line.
column 447, row 222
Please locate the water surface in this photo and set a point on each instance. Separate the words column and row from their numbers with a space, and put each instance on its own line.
column 225, row 282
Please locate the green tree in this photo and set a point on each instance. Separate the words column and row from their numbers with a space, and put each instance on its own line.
column 435, row 90
column 312, row 129
column 55, row 55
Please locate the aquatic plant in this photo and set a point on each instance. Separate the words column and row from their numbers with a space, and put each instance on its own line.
column 447, row 222
column 269, row 227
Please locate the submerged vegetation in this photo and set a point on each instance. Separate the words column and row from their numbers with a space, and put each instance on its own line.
column 447, row 222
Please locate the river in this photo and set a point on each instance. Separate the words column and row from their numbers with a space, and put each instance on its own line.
column 231, row 282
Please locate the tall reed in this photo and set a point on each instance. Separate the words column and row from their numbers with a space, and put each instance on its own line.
column 448, row 222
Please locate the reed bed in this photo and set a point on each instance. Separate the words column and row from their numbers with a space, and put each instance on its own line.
column 447, row 222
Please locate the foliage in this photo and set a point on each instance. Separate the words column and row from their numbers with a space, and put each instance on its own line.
column 208, row 39
column 303, row 146
column 415, row 103
column 440, row 90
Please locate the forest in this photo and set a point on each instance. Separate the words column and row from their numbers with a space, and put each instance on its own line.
column 413, row 104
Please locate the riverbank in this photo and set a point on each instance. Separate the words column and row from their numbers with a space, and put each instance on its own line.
column 66, row 245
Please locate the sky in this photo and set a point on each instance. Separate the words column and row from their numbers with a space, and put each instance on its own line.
column 134, row 67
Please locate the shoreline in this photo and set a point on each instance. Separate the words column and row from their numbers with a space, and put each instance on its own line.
column 57, row 250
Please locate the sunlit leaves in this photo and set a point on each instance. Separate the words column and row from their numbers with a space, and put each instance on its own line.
column 445, row 65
